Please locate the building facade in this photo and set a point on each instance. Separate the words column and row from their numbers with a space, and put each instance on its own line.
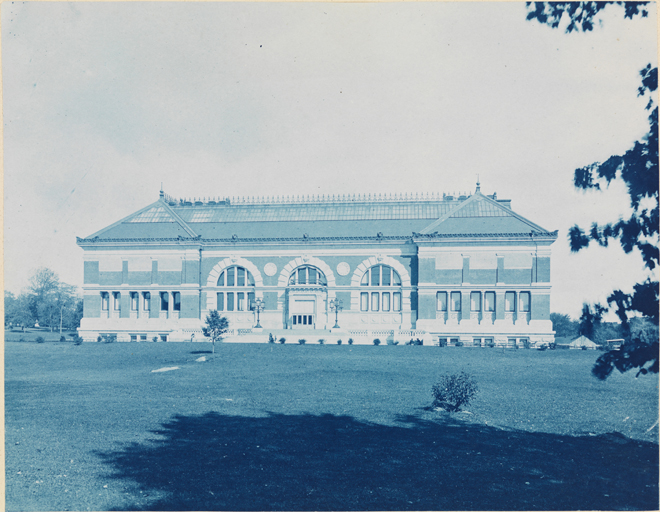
column 462, row 269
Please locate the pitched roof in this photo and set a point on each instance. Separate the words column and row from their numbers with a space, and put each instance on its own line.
column 362, row 217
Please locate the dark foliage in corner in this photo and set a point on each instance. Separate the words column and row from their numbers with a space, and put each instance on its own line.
column 637, row 168
column 581, row 15
column 454, row 391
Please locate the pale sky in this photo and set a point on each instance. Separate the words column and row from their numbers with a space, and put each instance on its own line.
column 104, row 101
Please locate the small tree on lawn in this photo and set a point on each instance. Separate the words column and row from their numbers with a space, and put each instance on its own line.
column 216, row 326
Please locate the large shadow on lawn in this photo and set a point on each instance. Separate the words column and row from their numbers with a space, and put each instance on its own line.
column 307, row 462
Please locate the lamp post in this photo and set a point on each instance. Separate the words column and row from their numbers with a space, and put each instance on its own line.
column 258, row 306
column 336, row 306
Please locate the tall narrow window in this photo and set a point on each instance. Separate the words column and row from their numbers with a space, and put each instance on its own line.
column 396, row 301
column 240, row 276
column 105, row 301
column 524, row 302
column 364, row 301
column 231, row 273
column 375, row 275
column 455, row 301
column 489, row 301
column 117, row 300
column 135, row 301
column 441, row 301
column 164, row 301
column 230, row 302
column 176, row 301
column 147, row 301
column 220, row 302
column 240, row 301
column 386, row 301
column 374, row 301
column 475, row 301
column 510, row 301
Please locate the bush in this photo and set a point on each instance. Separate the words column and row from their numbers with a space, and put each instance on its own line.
column 282, row 341
column 110, row 339
column 77, row 340
column 21, row 339
column 321, row 341
column 526, row 343
column 302, row 341
column 350, row 341
column 392, row 342
column 155, row 339
column 415, row 341
column 62, row 338
column 490, row 344
column 99, row 339
column 338, row 342
column 552, row 346
column 376, row 342
column 459, row 343
column 271, row 338
column 40, row 339
column 453, row 391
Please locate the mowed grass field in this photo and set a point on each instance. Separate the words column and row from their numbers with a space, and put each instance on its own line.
column 290, row 427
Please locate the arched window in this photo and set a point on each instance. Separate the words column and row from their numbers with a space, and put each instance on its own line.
column 307, row 275
column 240, row 299
column 381, row 299
column 235, row 276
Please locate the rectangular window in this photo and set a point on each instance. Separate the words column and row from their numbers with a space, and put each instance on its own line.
column 441, row 301
column 116, row 299
column 231, row 271
column 387, row 276
column 251, row 301
column 230, row 302
column 220, row 302
column 524, row 302
column 240, row 301
column 455, row 301
column 304, row 319
column 364, row 301
column 312, row 276
column 386, row 301
column 164, row 301
column 510, row 301
column 475, row 301
column 375, row 276
column 105, row 301
column 147, row 301
column 302, row 276
column 396, row 301
column 489, row 301
column 294, row 319
column 176, row 301
column 476, row 342
column 375, row 301
column 163, row 337
column 133, row 337
column 143, row 337
column 134, row 301
column 240, row 276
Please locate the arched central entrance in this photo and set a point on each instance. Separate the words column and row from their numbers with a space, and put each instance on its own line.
column 306, row 298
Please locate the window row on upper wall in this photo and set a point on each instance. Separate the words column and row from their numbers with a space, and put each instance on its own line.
column 235, row 301
column 143, row 299
column 380, row 301
column 483, row 301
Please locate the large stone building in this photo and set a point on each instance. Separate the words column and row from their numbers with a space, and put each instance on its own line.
column 464, row 268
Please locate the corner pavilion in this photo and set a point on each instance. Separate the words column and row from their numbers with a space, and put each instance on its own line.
column 457, row 269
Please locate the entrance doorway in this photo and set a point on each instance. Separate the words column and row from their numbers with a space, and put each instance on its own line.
column 303, row 311
column 298, row 321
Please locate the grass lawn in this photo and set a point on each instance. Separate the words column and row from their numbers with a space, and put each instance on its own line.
column 290, row 427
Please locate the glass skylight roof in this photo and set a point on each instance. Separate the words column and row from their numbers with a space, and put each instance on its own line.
column 481, row 209
column 313, row 212
column 155, row 214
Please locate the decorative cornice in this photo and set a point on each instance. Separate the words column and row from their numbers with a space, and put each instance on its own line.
column 413, row 237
